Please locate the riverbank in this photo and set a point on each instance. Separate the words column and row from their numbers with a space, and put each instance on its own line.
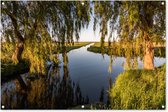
column 83, row 65
column 10, row 70
column 136, row 89
column 139, row 89
column 75, row 46
column 158, row 51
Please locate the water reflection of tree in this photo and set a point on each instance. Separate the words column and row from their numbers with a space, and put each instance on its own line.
column 110, row 64
column 111, row 56
column 131, row 55
column 47, row 92
column 130, row 63
column 102, row 95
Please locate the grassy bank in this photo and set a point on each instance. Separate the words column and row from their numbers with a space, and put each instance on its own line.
column 97, row 44
column 9, row 70
column 158, row 51
column 139, row 89
column 77, row 45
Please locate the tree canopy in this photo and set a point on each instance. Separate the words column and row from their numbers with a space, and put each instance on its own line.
column 38, row 24
column 50, row 24
column 138, row 25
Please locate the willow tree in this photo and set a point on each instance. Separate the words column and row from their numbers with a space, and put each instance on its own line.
column 101, row 18
column 36, row 25
column 137, row 23
column 21, row 19
column 11, row 27
column 67, row 20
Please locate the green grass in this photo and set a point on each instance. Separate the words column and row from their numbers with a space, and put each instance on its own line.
column 97, row 44
column 96, row 49
column 139, row 89
column 75, row 46
column 158, row 51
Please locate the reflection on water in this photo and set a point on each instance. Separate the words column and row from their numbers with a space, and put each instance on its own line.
column 83, row 78
column 110, row 65
column 51, row 91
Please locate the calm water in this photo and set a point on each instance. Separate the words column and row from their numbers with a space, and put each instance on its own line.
column 84, row 81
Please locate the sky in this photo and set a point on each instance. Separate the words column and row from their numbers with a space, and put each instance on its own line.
column 88, row 34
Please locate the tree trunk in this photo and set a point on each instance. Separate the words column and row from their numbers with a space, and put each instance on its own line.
column 16, row 57
column 149, row 56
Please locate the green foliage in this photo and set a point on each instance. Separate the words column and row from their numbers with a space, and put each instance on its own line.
column 38, row 53
column 125, row 52
column 28, row 20
column 35, row 56
column 102, row 18
column 7, row 50
column 139, row 89
column 38, row 25
column 132, row 20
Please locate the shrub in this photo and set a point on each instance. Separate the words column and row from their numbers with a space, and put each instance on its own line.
column 139, row 89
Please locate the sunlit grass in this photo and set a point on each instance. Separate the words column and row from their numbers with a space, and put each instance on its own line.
column 76, row 45
column 139, row 89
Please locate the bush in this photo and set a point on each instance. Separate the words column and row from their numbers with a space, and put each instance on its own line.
column 139, row 89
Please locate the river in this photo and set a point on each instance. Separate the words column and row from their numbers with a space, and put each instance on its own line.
column 85, row 80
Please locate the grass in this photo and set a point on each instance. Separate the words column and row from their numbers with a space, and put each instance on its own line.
column 158, row 51
column 139, row 89
column 97, row 44
column 75, row 46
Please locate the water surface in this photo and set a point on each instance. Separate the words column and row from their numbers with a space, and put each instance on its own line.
column 80, row 82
